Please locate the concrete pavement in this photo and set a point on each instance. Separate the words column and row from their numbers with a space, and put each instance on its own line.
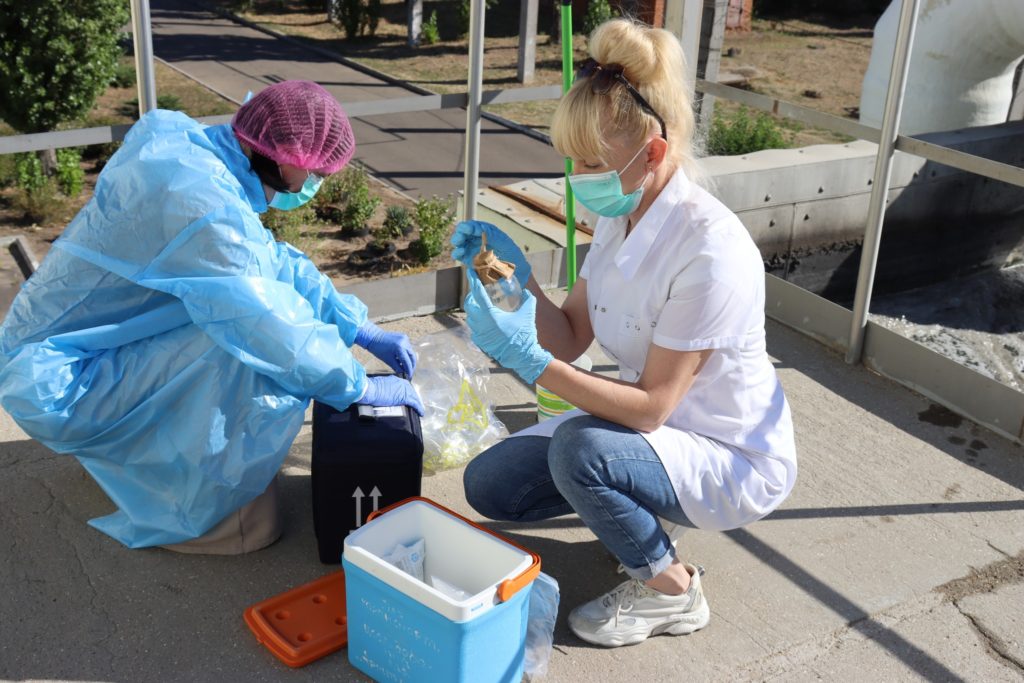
column 419, row 153
column 899, row 556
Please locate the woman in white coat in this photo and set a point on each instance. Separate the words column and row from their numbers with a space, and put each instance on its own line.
column 696, row 430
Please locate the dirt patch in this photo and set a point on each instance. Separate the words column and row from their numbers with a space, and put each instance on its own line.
column 986, row 579
column 817, row 62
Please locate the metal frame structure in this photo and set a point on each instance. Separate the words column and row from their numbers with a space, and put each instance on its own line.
column 965, row 391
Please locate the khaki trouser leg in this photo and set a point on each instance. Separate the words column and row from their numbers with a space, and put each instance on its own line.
column 255, row 525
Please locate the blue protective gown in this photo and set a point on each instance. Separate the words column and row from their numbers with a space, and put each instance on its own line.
column 169, row 342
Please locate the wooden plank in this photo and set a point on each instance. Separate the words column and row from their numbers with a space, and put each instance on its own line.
column 539, row 206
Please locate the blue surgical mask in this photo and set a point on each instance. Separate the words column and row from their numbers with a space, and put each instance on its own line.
column 286, row 201
column 602, row 192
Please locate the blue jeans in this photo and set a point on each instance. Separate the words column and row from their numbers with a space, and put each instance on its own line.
column 606, row 473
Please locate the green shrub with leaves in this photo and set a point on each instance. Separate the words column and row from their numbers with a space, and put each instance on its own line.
column 744, row 134
column 42, row 204
column 286, row 226
column 7, row 170
column 332, row 191
column 69, row 173
column 434, row 219
column 57, row 57
column 124, row 75
column 598, row 12
column 28, row 172
column 429, row 33
column 350, row 16
column 357, row 17
column 359, row 208
column 371, row 17
column 397, row 222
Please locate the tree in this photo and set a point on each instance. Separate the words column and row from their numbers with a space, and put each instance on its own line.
column 56, row 57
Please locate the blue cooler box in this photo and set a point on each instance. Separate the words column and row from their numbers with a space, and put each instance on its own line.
column 466, row 621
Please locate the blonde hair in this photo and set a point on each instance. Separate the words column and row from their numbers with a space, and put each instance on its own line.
column 653, row 62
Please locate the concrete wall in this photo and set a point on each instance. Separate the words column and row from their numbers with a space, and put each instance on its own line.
column 807, row 208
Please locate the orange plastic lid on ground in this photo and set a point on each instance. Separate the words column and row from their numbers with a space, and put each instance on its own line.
column 303, row 624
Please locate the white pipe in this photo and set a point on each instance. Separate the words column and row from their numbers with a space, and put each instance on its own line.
column 961, row 71
column 471, row 177
column 894, row 102
column 142, row 38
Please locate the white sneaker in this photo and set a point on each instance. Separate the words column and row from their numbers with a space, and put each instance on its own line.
column 631, row 612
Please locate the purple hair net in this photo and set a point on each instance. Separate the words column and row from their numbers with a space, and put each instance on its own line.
column 297, row 123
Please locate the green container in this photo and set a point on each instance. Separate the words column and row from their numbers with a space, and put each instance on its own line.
column 550, row 404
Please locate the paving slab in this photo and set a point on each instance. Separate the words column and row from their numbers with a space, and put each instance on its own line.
column 898, row 556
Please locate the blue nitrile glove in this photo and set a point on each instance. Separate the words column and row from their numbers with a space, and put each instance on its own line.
column 391, row 390
column 466, row 240
column 509, row 338
column 391, row 347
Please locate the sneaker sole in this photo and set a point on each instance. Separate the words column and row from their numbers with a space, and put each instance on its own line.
column 689, row 624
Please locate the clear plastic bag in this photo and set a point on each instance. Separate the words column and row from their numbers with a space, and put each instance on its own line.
column 540, row 628
column 451, row 378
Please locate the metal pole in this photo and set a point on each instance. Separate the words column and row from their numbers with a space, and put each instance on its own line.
column 883, row 171
column 684, row 18
column 475, row 88
column 570, row 200
column 142, row 37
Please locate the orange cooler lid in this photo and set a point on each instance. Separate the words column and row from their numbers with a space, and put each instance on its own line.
column 303, row 624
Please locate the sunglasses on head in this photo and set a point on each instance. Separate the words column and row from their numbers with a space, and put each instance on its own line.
column 603, row 77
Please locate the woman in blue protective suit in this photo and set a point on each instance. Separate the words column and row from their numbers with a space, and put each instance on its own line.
column 696, row 430
column 172, row 346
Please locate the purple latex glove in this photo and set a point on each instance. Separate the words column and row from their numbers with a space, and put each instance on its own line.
column 391, row 390
column 393, row 348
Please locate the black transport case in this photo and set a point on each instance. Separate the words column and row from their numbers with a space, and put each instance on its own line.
column 364, row 459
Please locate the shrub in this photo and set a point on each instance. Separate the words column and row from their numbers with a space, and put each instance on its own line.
column 8, row 174
column 70, row 175
column 371, row 16
column 57, row 57
column 598, row 12
column 744, row 134
column 124, row 75
column 332, row 191
column 28, row 172
column 286, row 226
column 429, row 33
column 41, row 203
column 350, row 16
column 434, row 219
column 397, row 222
column 359, row 209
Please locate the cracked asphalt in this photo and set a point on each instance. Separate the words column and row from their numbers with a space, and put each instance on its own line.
column 898, row 557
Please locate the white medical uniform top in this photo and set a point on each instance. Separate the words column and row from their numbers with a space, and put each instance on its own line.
column 689, row 277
